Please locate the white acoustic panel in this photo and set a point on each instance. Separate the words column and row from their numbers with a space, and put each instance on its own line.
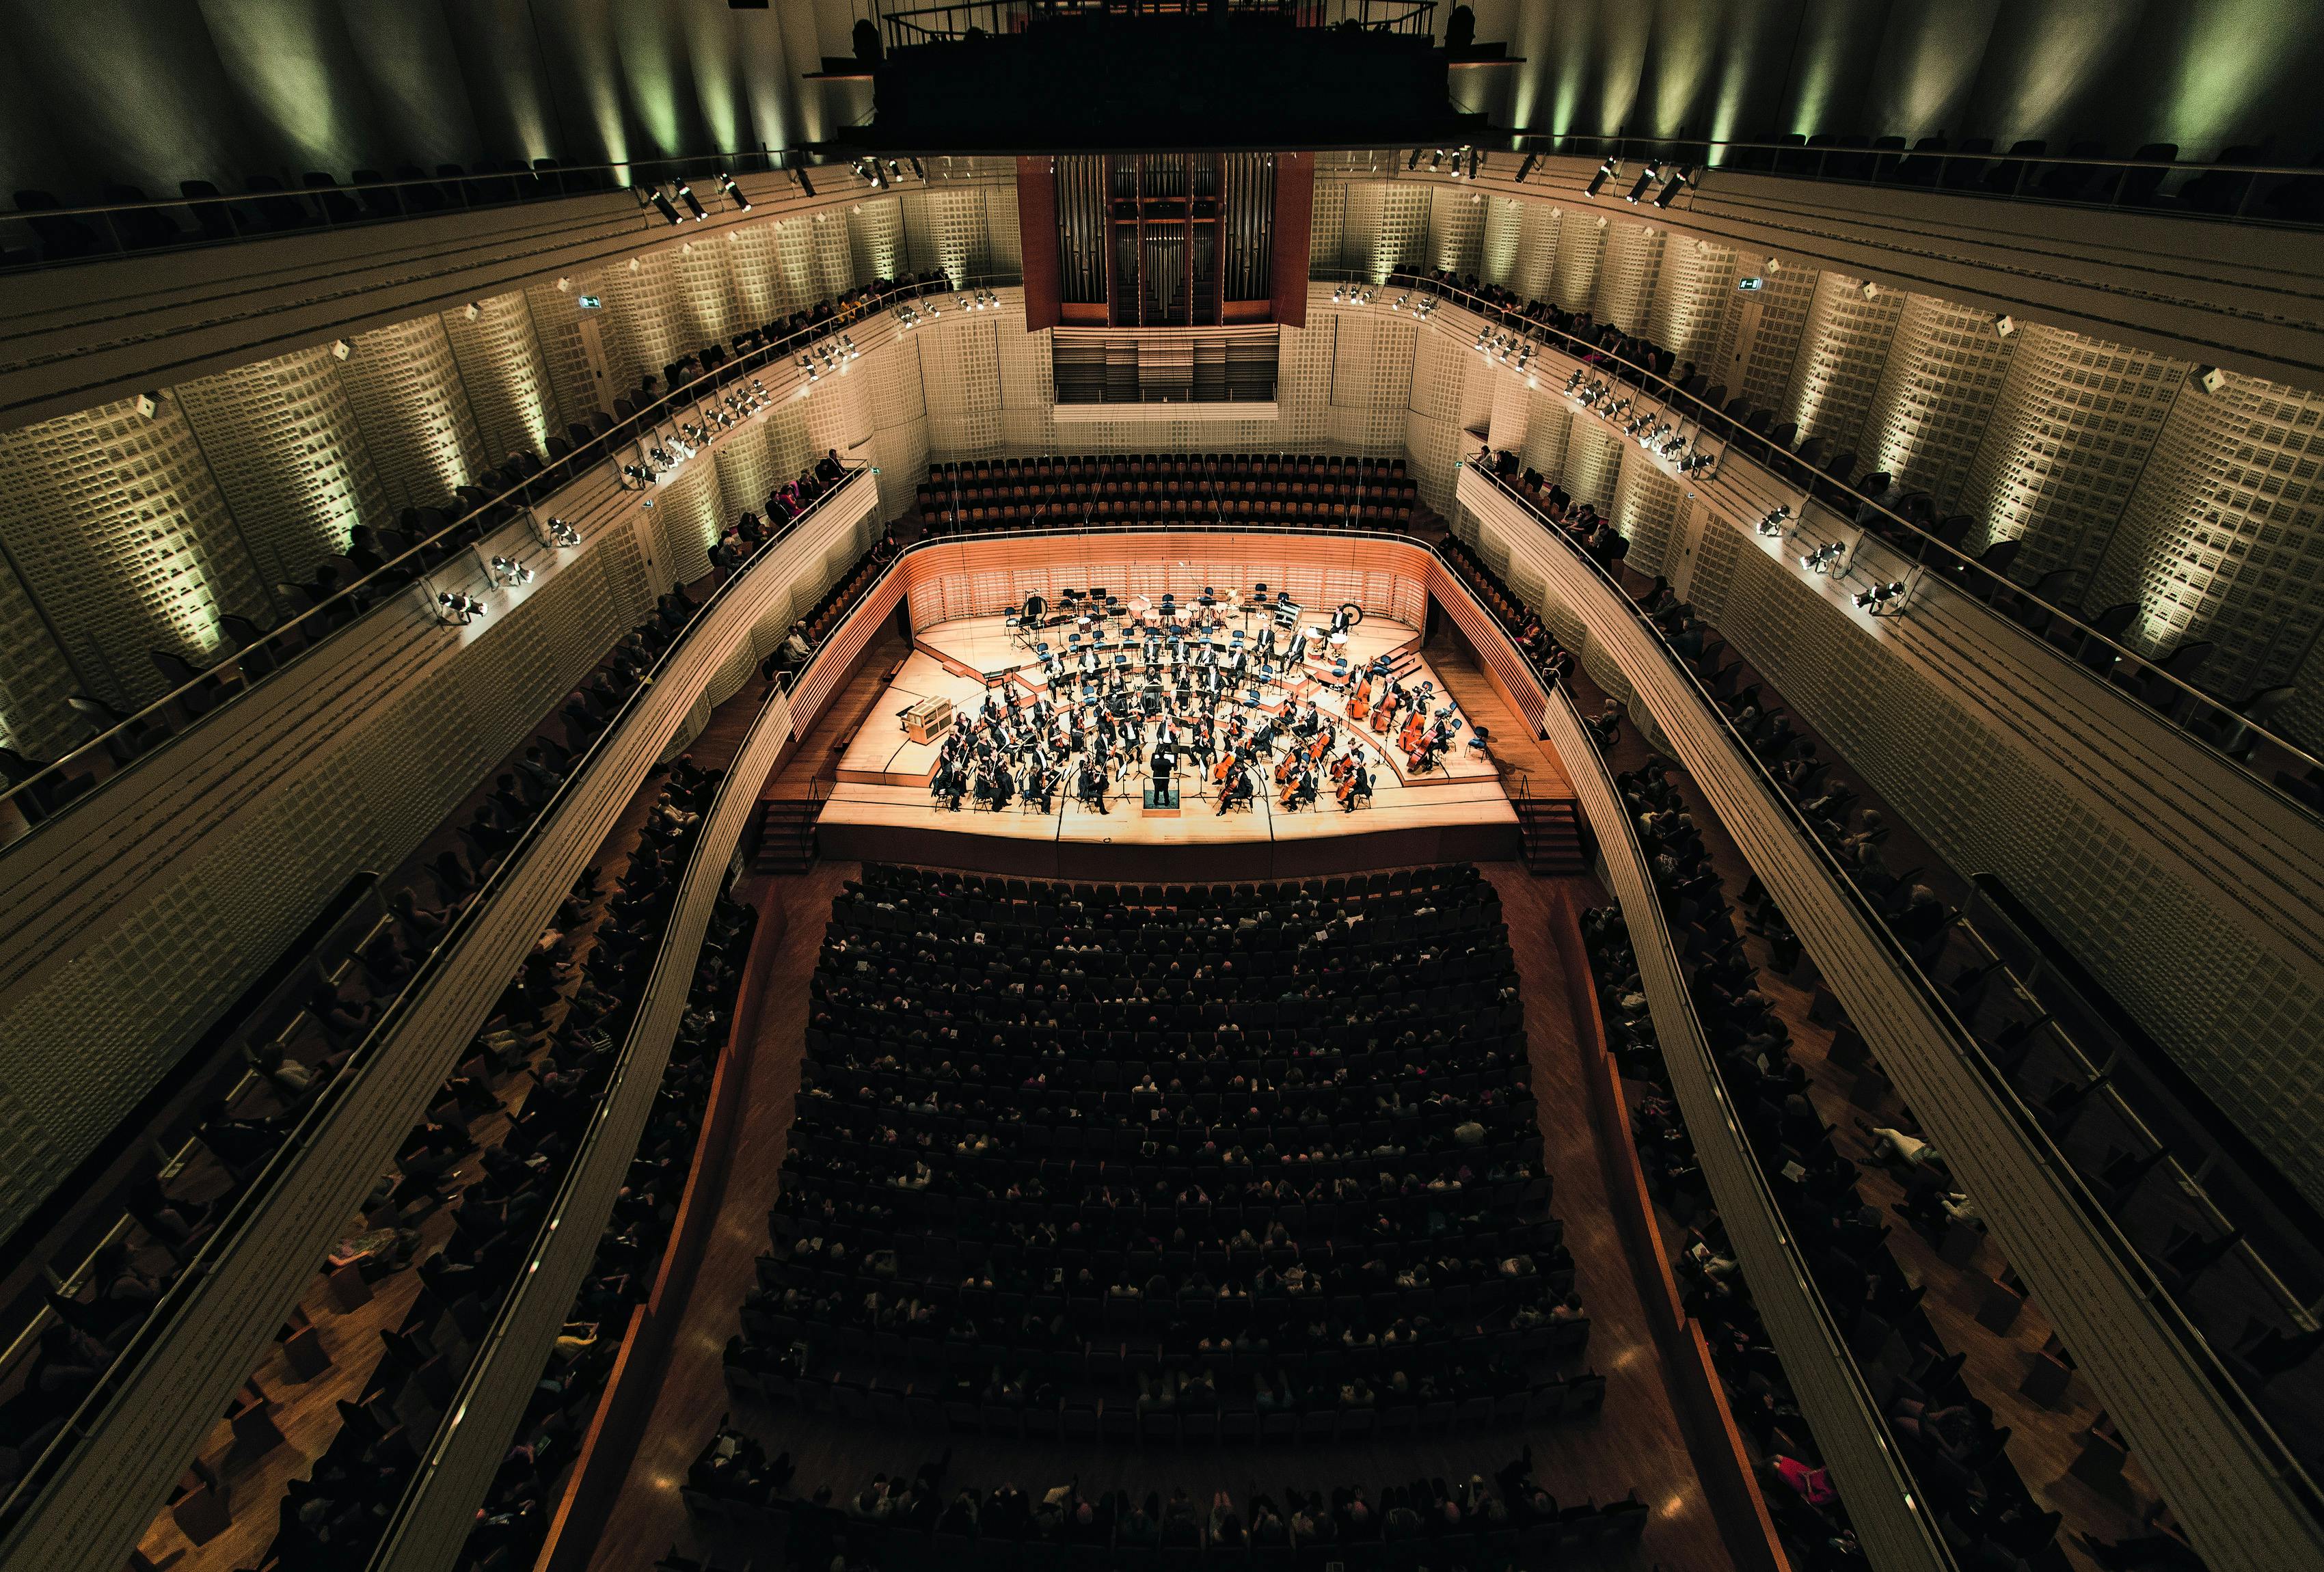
column 702, row 271
column 1456, row 229
column 1504, row 240
column 121, row 538
column 1782, row 304
column 1538, row 239
column 959, row 224
column 1627, row 274
column 1027, row 389
column 281, row 438
column 1693, row 298
column 1548, row 427
column 1842, row 353
column 34, row 681
column 834, row 261
column 1580, row 244
column 2221, row 540
column 556, row 328
column 506, row 375
column 1593, row 463
column 789, row 449
column 1511, row 412
column 959, row 357
column 413, row 412
column 1929, row 411
column 1646, row 505
column 875, row 239
column 1326, row 226
column 2063, row 446
column 643, row 321
column 686, row 512
column 754, row 263
column 1004, row 241
column 1303, row 388
column 797, row 286
column 747, row 471
column 900, row 430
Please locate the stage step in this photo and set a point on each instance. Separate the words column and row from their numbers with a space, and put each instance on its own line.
column 783, row 839
column 1552, row 835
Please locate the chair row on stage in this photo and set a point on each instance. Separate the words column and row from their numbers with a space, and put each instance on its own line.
column 1254, row 490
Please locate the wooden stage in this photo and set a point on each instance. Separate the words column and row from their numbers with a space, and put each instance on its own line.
column 880, row 809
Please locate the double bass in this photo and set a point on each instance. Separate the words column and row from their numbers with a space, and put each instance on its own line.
column 1358, row 705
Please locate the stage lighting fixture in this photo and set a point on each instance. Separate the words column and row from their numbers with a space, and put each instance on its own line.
column 734, row 192
column 1606, row 172
column 895, row 171
column 806, row 186
column 1681, row 178
column 1526, row 168
column 1647, row 178
column 1774, row 523
column 1436, row 160
column 1476, row 162
column 561, row 534
column 1413, row 162
column 918, row 168
column 693, row 203
column 510, row 571
column 458, row 610
column 662, row 204
column 1824, row 557
column 1881, row 600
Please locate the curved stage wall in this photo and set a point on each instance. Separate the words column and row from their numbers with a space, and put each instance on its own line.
column 983, row 574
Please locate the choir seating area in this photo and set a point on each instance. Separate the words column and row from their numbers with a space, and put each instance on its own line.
column 1110, row 489
column 1203, row 1164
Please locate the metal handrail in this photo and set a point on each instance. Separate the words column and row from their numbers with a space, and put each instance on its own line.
column 909, row 29
column 1796, row 1264
column 89, row 1414
column 1966, row 1045
column 413, row 562
column 1884, row 167
column 1776, row 460
column 473, row 191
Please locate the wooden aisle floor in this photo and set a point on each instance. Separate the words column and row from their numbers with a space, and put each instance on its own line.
column 1636, row 1443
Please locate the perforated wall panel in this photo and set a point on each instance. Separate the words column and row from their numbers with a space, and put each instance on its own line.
column 959, row 380
column 1580, row 244
column 1456, row 228
column 899, row 433
column 1303, row 388
column 875, row 238
column 1646, row 511
column 34, row 679
column 121, row 537
column 797, row 284
column 1941, row 383
column 960, row 228
column 754, row 262
column 1027, row 392
column 1842, row 353
column 1627, row 273
column 2067, row 439
column 643, row 323
column 1504, row 237
column 556, row 328
column 2221, row 539
column 704, row 273
column 413, row 412
column 747, row 471
column 281, row 438
column 1548, row 427
column 1783, row 300
column 506, row 374
column 1593, row 459
column 686, row 511
column 1694, row 298
column 834, row 263
column 1004, row 244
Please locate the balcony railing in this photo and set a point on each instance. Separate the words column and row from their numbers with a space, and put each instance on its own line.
column 2239, row 188
column 2229, row 730
column 2194, row 1349
column 47, row 789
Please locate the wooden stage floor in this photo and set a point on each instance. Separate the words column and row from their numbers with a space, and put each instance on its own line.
column 880, row 809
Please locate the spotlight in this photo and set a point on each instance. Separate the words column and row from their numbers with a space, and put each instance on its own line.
column 920, row 169
column 1680, row 179
column 1413, row 162
column 734, row 192
column 458, row 609
column 1436, row 160
column 693, row 204
column 1476, row 162
column 1881, row 600
column 1526, row 168
column 1824, row 559
column 1774, row 523
column 662, row 204
column 1652, row 172
column 1606, row 172
column 807, row 187
column 561, row 534
column 895, row 171
column 510, row 573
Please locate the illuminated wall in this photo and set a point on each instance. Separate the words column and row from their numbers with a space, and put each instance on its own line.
column 1944, row 376
column 2064, row 446
column 1574, row 275
column 2221, row 539
column 1628, row 274
column 506, row 375
column 414, row 411
column 1844, row 349
column 280, row 437
column 1693, row 300
column 119, row 533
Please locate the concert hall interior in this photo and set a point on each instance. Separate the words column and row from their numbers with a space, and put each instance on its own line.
column 1335, row 786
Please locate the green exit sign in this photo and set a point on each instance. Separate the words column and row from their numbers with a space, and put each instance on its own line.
column 592, row 303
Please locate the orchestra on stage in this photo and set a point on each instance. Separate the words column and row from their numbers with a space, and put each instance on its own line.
column 1220, row 691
